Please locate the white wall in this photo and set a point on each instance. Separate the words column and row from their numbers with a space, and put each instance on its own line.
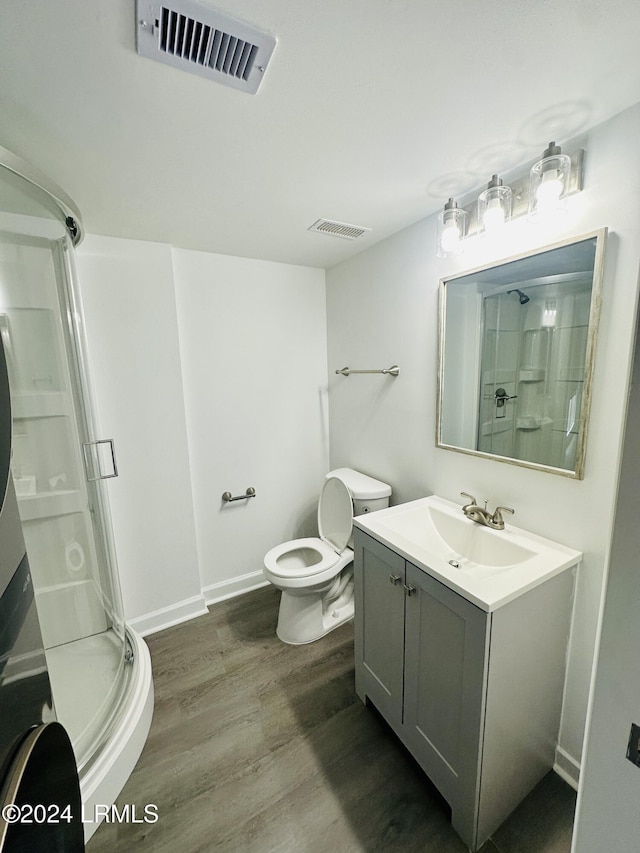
column 607, row 815
column 382, row 309
column 213, row 381
column 253, row 350
column 129, row 307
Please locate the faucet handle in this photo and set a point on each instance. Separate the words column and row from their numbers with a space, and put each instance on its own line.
column 472, row 500
column 497, row 515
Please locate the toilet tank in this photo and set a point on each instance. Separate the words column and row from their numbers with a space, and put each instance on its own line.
column 368, row 494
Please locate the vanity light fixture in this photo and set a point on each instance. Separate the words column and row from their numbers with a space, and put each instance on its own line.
column 538, row 192
column 548, row 184
column 452, row 229
column 494, row 207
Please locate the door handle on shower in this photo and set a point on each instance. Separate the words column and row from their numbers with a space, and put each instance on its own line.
column 501, row 397
column 92, row 460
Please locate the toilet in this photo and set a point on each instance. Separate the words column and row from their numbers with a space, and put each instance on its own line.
column 316, row 574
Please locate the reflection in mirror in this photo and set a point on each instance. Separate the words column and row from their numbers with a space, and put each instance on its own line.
column 517, row 342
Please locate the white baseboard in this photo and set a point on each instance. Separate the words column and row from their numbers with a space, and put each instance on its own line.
column 169, row 616
column 567, row 768
column 190, row 608
column 223, row 590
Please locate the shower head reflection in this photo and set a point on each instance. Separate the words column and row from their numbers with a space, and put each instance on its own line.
column 521, row 296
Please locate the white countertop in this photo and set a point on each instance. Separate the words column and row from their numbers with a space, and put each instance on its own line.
column 434, row 535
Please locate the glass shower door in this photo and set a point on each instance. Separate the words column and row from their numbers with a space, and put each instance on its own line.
column 54, row 465
column 532, row 374
column 498, row 377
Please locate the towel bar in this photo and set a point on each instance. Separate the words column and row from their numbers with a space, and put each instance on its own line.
column 228, row 497
column 394, row 370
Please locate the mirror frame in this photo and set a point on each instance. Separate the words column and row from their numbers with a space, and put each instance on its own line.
column 594, row 317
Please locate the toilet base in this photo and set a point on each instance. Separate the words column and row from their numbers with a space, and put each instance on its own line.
column 305, row 618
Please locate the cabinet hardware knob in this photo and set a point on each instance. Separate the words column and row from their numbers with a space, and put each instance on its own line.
column 395, row 579
column 410, row 589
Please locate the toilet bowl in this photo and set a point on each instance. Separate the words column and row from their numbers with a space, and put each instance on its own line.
column 315, row 574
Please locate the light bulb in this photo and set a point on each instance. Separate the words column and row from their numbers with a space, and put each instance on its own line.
column 550, row 189
column 548, row 183
column 452, row 228
column 494, row 217
column 494, row 207
column 450, row 237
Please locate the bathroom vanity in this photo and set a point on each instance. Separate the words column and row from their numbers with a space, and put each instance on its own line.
column 460, row 640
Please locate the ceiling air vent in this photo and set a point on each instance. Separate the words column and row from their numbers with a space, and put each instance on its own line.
column 202, row 40
column 338, row 229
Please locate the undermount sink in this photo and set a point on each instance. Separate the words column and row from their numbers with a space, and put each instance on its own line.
column 489, row 567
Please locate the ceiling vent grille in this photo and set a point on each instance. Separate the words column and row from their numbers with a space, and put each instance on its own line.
column 338, row 229
column 196, row 38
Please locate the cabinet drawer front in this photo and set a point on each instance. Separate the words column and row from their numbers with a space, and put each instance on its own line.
column 379, row 625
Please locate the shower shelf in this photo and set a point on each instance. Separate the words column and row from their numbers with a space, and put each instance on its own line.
column 43, row 405
column 50, row 504
column 531, row 374
column 491, row 427
column 529, row 423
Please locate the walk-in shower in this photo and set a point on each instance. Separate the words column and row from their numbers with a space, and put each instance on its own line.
column 99, row 670
column 532, row 373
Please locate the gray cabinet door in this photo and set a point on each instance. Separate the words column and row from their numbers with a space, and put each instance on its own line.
column 446, row 650
column 379, row 625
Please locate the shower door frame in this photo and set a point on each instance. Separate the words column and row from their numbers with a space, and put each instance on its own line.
column 61, row 208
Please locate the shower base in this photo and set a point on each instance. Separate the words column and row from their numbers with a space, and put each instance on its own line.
column 82, row 675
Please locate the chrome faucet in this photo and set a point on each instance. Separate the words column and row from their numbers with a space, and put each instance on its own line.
column 483, row 516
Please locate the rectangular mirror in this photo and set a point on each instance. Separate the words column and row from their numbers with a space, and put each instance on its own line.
column 516, row 350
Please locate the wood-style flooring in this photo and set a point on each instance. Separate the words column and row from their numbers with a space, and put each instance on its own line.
column 261, row 747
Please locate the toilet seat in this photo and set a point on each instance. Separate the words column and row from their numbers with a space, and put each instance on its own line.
column 304, row 577
column 335, row 514
column 313, row 557
column 288, row 560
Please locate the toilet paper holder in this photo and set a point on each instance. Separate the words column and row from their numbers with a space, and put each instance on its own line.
column 227, row 497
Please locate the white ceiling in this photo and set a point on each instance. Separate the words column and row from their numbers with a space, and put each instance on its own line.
column 371, row 112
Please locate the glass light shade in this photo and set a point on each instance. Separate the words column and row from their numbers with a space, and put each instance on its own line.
column 548, row 183
column 494, row 207
column 452, row 229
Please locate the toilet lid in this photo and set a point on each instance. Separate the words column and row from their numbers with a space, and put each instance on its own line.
column 335, row 514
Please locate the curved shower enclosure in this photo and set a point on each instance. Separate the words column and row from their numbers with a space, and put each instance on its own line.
column 99, row 669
